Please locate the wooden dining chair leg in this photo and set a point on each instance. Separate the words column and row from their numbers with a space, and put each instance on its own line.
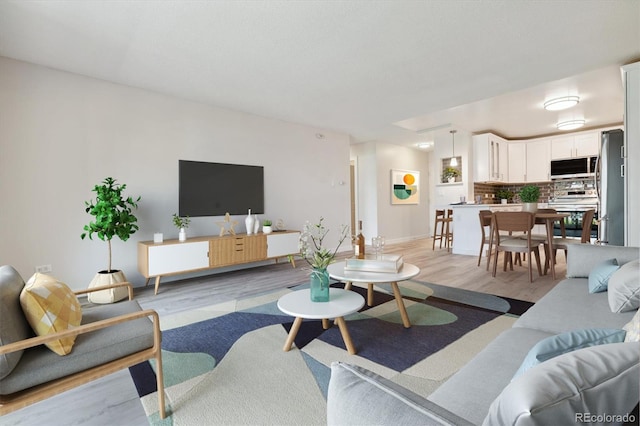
column 537, row 253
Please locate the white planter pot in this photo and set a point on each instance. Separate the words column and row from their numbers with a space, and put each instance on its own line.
column 111, row 295
column 503, row 201
column 182, row 235
column 267, row 229
column 530, row 207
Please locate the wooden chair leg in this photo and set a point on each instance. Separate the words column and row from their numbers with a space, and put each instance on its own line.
column 537, row 253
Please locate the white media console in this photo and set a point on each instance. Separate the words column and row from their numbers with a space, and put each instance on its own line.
column 173, row 257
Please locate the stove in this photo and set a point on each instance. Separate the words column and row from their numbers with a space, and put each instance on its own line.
column 575, row 196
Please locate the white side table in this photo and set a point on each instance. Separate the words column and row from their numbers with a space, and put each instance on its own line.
column 408, row 271
column 341, row 302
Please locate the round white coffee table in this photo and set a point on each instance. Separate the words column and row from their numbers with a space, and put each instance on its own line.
column 408, row 271
column 341, row 302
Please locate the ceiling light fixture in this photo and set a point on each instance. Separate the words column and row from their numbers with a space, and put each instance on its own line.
column 424, row 145
column 570, row 124
column 564, row 102
column 454, row 160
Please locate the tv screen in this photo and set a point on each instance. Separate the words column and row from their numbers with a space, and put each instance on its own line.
column 213, row 189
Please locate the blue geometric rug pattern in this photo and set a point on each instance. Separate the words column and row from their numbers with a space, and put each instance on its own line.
column 439, row 315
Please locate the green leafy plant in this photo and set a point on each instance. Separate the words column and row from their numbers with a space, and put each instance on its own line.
column 529, row 194
column 311, row 244
column 181, row 222
column 449, row 172
column 266, row 222
column 113, row 214
column 504, row 194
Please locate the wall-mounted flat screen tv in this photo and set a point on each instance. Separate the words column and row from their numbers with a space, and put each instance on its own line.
column 213, row 189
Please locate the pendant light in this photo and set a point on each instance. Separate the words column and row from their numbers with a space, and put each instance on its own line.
column 454, row 160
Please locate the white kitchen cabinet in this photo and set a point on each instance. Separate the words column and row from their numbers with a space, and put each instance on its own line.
column 582, row 144
column 538, row 161
column 517, row 161
column 490, row 154
column 529, row 161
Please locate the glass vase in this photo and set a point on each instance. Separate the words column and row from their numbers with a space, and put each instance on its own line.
column 319, row 285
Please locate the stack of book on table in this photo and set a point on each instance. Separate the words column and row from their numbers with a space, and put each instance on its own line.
column 389, row 263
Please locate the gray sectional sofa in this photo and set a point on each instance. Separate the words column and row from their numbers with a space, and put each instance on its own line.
column 595, row 384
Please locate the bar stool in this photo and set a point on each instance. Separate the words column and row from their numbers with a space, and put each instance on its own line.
column 449, row 229
column 443, row 221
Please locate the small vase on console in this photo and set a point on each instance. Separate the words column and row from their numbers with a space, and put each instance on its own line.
column 182, row 235
column 256, row 224
column 249, row 222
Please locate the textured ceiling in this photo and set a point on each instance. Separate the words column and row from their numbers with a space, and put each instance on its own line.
column 353, row 66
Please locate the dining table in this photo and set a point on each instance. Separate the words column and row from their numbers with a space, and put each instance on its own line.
column 548, row 219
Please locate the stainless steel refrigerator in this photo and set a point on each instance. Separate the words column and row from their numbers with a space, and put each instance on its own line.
column 610, row 187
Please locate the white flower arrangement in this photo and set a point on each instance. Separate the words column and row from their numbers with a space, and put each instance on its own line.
column 311, row 248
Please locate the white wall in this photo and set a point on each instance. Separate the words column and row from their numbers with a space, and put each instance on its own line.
column 61, row 133
column 396, row 223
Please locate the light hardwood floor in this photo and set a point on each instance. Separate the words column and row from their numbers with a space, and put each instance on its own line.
column 113, row 399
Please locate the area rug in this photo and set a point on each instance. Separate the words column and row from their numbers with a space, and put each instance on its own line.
column 224, row 364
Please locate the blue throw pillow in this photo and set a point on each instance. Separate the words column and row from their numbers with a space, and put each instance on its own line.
column 570, row 341
column 599, row 275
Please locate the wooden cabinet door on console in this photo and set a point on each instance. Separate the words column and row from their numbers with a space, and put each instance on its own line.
column 239, row 249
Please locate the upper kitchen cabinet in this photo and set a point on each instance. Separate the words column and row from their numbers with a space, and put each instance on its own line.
column 538, row 161
column 517, row 161
column 576, row 145
column 529, row 161
column 490, row 154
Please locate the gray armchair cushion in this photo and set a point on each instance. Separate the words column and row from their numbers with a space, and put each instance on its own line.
column 359, row 397
column 600, row 380
column 39, row 365
column 13, row 324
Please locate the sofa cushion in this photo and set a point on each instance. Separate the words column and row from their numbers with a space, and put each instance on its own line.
column 599, row 380
column 582, row 257
column 559, row 344
column 633, row 329
column 624, row 288
column 357, row 397
column 599, row 275
column 50, row 306
column 40, row 365
column 569, row 306
column 13, row 324
column 470, row 391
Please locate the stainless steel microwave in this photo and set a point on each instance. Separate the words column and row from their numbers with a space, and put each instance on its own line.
column 573, row 167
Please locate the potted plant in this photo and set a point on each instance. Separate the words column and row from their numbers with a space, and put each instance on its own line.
column 504, row 195
column 266, row 226
column 529, row 195
column 114, row 216
column 449, row 174
column 182, row 223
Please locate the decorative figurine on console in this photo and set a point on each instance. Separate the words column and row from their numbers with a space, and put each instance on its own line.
column 226, row 226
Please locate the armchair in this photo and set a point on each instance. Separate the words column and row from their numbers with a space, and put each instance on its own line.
column 110, row 338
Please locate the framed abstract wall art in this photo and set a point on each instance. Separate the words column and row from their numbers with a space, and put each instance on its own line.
column 405, row 185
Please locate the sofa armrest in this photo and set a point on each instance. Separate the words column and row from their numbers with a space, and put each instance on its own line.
column 357, row 396
column 581, row 258
column 87, row 328
column 107, row 287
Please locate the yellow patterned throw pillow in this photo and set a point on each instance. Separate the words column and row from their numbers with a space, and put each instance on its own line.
column 50, row 306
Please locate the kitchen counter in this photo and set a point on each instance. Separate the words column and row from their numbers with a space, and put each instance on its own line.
column 466, row 225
